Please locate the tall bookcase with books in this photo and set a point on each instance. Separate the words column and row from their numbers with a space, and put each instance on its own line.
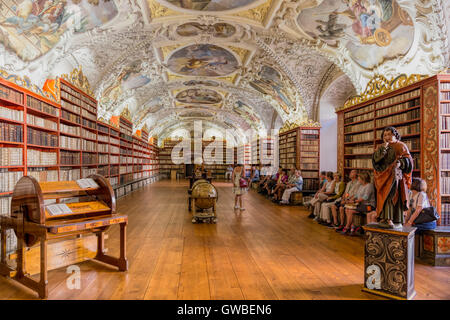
column 29, row 135
column 219, row 169
column 419, row 108
column 165, row 160
column 299, row 147
column 267, row 143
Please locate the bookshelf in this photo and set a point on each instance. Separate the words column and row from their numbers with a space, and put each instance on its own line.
column 217, row 170
column 165, row 160
column 267, row 142
column 299, row 147
column 418, row 108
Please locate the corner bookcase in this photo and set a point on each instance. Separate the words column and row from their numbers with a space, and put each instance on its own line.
column 300, row 148
column 420, row 111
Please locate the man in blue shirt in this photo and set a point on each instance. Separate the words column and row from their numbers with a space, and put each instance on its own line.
column 255, row 174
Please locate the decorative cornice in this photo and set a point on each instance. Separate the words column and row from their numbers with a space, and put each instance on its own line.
column 126, row 113
column 25, row 82
column 158, row 11
column 379, row 85
column 288, row 125
column 257, row 14
column 79, row 80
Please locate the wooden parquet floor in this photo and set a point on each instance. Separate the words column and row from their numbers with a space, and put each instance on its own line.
column 266, row 252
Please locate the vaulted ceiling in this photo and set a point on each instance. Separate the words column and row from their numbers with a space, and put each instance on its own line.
column 240, row 64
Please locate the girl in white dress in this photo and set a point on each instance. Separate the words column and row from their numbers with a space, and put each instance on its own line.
column 238, row 173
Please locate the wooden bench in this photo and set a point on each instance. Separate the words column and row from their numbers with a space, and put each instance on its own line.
column 433, row 246
column 296, row 198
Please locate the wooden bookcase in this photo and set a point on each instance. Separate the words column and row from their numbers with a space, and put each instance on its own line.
column 419, row 110
column 300, row 147
column 256, row 149
column 165, row 160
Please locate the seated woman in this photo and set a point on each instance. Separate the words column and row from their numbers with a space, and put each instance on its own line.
column 418, row 201
column 282, row 180
column 295, row 185
column 364, row 202
column 325, row 209
column 291, row 178
column 321, row 196
column 272, row 181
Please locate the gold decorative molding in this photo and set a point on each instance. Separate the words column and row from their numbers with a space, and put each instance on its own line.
column 229, row 78
column 144, row 128
column 171, row 76
column 379, row 85
column 79, row 80
column 158, row 11
column 257, row 14
column 242, row 53
column 126, row 114
column 289, row 125
column 169, row 49
column 25, row 82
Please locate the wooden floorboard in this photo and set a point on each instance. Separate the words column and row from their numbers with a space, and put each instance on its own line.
column 266, row 252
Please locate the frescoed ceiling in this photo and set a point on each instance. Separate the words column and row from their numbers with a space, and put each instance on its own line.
column 240, row 64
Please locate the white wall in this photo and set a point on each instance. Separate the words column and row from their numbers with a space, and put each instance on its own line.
column 334, row 96
column 328, row 145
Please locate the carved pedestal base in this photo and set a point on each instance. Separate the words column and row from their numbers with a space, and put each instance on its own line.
column 389, row 262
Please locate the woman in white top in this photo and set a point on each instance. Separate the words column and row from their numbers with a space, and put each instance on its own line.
column 418, row 201
column 321, row 196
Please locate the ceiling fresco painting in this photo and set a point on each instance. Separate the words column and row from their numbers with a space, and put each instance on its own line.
column 200, row 95
column 248, row 114
column 203, row 60
column 208, row 83
column 210, row 5
column 219, row 30
column 240, row 64
column 129, row 78
column 371, row 30
column 30, row 28
column 196, row 114
column 269, row 82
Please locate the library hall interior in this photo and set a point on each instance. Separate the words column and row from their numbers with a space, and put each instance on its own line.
column 225, row 150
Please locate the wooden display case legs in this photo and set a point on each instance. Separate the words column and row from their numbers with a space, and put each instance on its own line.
column 121, row 262
column 41, row 287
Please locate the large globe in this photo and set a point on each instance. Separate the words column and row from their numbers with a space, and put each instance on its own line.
column 204, row 194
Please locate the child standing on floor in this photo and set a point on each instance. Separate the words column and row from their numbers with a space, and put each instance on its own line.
column 238, row 191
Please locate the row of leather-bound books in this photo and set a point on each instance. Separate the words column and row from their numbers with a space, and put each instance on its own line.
column 41, row 138
column 41, row 122
column 41, row 158
column 42, row 106
column 12, row 114
column 11, row 94
column 77, row 98
column 11, row 132
column 8, row 179
column 10, row 156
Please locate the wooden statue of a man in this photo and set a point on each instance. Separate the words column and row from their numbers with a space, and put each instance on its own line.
column 393, row 166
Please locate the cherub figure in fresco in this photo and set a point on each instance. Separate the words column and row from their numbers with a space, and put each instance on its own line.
column 373, row 20
column 37, row 16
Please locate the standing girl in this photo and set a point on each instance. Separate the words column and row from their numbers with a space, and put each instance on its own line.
column 238, row 173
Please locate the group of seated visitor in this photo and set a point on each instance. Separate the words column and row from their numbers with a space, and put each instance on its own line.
column 277, row 184
column 335, row 203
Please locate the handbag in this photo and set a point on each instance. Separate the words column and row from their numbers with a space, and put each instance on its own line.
column 427, row 215
column 243, row 183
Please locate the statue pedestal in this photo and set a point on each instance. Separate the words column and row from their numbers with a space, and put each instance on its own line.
column 389, row 262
